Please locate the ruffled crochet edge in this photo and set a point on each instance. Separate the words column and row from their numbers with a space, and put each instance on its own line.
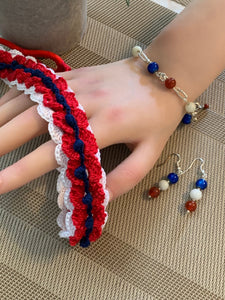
column 66, row 218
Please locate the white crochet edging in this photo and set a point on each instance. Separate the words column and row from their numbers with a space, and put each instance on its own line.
column 64, row 219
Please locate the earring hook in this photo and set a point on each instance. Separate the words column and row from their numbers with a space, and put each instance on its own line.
column 177, row 163
column 204, row 175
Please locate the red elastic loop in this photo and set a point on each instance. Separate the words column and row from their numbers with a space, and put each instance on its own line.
column 61, row 65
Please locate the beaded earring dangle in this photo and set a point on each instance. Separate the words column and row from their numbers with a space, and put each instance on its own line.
column 201, row 184
column 172, row 178
column 191, row 108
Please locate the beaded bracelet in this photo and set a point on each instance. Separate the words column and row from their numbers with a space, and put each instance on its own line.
column 191, row 108
column 82, row 181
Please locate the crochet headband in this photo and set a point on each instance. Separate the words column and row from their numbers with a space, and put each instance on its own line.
column 82, row 181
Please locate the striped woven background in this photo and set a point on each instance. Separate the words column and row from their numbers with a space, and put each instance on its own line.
column 149, row 249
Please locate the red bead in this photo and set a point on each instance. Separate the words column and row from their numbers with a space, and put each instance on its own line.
column 191, row 205
column 170, row 83
column 154, row 192
column 206, row 106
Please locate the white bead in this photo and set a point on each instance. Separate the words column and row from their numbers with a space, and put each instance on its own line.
column 136, row 50
column 163, row 185
column 190, row 107
column 196, row 194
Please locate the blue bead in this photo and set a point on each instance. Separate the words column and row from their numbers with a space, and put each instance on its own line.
column 201, row 183
column 187, row 119
column 78, row 146
column 87, row 199
column 14, row 64
column 153, row 67
column 60, row 98
column 89, row 222
column 173, row 178
column 84, row 242
column 70, row 120
column 80, row 172
column 38, row 73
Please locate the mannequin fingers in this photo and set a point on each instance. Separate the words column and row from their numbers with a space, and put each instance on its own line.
column 21, row 129
column 13, row 107
column 12, row 93
column 72, row 74
column 37, row 163
column 126, row 175
column 104, row 132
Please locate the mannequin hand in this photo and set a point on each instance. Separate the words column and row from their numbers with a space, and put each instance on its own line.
column 123, row 103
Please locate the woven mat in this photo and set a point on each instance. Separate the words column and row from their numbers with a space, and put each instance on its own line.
column 149, row 249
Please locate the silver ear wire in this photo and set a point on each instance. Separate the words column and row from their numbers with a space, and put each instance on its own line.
column 179, row 171
column 204, row 175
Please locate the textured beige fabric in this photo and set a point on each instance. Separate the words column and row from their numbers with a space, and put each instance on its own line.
column 149, row 249
column 183, row 2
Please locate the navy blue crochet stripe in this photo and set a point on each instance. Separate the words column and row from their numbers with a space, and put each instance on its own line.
column 78, row 146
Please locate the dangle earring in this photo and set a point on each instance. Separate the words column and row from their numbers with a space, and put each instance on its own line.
column 201, row 184
column 172, row 178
